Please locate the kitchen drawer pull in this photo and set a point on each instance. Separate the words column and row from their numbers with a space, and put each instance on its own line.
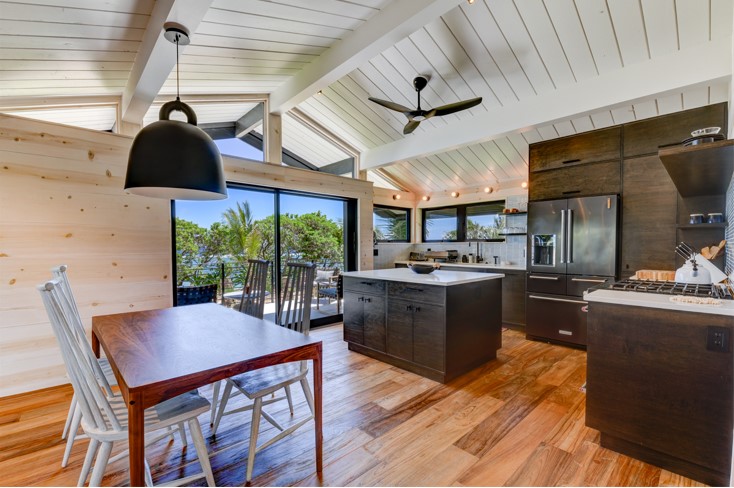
column 565, row 332
column 571, row 192
column 569, row 161
column 588, row 280
column 552, row 278
column 410, row 288
column 366, row 283
column 556, row 299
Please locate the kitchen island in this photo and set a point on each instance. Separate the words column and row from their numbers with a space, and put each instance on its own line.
column 439, row 325
column 659, row 381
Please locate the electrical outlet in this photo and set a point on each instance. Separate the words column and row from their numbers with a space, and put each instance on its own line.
column 718, row 339
column 375, row 252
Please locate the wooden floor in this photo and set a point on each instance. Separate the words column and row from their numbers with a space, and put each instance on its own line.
column 517, row 421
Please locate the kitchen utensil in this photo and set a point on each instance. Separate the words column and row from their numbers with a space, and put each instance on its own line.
column 716, row 274
column 422, row 268
column 713, row 252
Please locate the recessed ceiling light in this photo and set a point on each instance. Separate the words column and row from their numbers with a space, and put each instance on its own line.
column 470, row 1
column 488, row 189
column 425, row 198
column 454, row 194
column 524, row 184
column 396, row 197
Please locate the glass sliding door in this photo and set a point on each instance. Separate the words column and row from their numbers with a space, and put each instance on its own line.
column 214, row 240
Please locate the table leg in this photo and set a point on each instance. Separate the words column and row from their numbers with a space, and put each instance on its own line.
column 95, row 344
column 317, row 389
column 136, row 440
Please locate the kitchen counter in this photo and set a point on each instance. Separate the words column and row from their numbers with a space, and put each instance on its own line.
column 509, row 267
column 438, row 277
column 439, row 325
column 652, row 300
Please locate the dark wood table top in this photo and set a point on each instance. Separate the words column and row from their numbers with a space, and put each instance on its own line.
column 185, row 347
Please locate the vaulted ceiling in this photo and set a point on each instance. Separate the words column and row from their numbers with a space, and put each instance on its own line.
column 544, row 68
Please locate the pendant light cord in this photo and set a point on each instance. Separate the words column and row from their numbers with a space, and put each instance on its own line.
column 177, row 76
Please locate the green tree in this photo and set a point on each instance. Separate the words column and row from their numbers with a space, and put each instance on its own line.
column 196, row 247
column 243, row 241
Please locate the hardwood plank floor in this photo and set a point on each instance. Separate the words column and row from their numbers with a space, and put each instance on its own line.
column 516, row 421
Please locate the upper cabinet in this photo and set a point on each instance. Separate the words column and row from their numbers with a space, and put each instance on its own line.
column 645, row 137
column 588, row 147
column 701, row 170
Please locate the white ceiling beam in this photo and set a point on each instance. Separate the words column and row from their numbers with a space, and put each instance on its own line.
column 636, row 82
column 156, row 56
column 393, row 23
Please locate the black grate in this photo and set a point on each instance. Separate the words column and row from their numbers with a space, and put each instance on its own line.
column 673, row 288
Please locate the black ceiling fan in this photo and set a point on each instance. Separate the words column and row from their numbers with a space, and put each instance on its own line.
column 416, row 116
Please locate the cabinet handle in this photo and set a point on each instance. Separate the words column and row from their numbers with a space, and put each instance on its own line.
column 360, row 299
column 410, row 288
column 556, row 299
column 417, row 309
column 367, row 299
column 570, row 192
column 565, row 332
column 552, row 278
column 409, row 307
column 588, row 280
column 366, row 283
column 569, row 161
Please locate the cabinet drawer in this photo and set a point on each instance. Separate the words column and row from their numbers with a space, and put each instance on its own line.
column 364, row 285
column 557, row 318
column 415, row 292
column 589, row 147
column 645, row 136
column 577, row 285
column 546, row 283
column 576, row 181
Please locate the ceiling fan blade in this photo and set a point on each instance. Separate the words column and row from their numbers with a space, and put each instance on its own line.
column 391, row 105
column 410, row 126
column 455, row 107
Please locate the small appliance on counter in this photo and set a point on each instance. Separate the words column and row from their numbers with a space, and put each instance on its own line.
column 450, row 256
column 417, row 256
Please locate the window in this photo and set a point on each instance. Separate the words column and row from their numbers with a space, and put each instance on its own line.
column 476, row 222
column 440, row 224
column 391, row 224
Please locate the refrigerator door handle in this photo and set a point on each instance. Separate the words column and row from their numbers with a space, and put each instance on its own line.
column 563, row 236
column 569, row 236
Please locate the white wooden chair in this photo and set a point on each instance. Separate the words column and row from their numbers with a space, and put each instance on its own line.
column 294, row 313
column 100, row 366
column 104, row 419
column 252, row 302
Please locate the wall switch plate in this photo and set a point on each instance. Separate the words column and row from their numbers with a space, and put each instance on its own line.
column 718, row 339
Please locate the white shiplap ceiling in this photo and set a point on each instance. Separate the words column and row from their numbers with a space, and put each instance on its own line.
column 510, row 52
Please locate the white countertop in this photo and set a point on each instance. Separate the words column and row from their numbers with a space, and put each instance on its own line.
column 510, row 267
column 653, row 300
column 438, row 277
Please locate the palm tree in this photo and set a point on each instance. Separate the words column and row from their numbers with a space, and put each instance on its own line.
column 243, row 239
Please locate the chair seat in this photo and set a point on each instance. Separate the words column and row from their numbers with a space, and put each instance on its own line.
column 172, row 411
column 328, row 292
column 260, row 382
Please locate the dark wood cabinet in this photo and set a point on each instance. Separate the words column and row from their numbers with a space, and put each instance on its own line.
column 575, row 181
column 647, row 136
column 589, row 147
column 648, row 216
column 657, row 392
column 436, row 331
column 364, row 315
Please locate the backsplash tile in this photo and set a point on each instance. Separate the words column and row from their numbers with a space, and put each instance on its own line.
column 728, row 217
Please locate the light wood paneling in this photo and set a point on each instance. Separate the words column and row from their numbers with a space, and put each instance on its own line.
column 62, row 203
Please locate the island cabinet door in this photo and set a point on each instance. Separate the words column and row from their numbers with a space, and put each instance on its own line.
column 354, row 317
column 374, row 322
column 400, row 329
column 428, row 335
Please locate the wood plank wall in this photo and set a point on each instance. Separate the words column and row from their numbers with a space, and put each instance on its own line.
column 61, row 202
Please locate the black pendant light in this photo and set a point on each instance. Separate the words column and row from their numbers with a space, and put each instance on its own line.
column 172, row 159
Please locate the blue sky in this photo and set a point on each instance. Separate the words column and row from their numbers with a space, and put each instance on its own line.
column 205, row 213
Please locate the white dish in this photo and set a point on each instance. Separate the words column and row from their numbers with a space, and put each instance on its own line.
column 706, row 132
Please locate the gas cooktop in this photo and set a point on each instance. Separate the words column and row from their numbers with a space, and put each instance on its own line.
column 672, row 288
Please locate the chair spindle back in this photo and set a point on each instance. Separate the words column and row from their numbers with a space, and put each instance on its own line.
column 294, row 311
column 253, row 292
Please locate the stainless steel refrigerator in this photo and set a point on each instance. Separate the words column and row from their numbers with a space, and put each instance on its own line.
column 572, row 245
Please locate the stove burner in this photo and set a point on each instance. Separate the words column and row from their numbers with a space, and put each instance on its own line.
column 672, row 288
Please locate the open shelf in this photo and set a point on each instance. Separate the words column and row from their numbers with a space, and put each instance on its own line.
column 701, row 170
column 702, row 226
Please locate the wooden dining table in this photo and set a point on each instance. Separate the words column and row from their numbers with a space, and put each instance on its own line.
column 159, row 354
